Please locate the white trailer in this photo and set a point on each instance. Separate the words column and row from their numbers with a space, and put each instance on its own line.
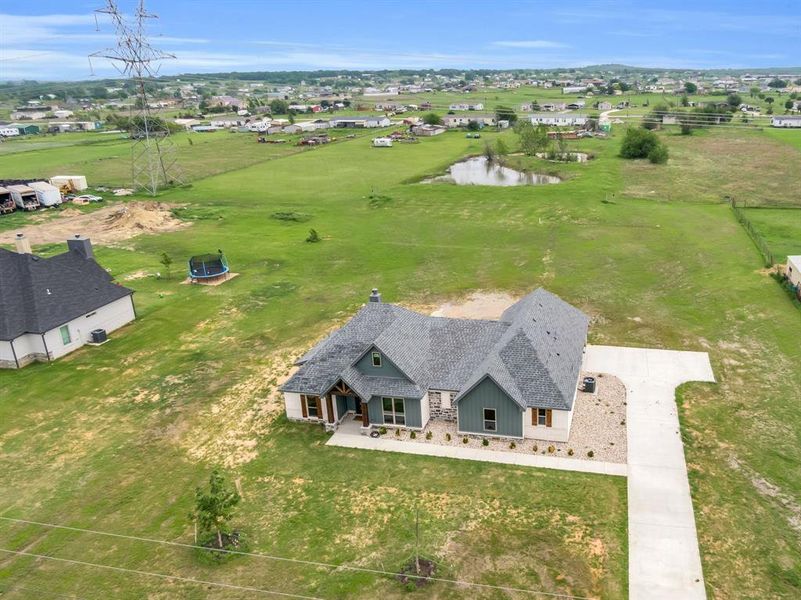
column 47, row 194
column 382, row 142
column 75, row 183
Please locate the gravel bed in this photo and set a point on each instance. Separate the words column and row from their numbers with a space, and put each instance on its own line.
column 599, row 426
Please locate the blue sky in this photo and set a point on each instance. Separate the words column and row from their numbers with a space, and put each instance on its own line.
column 47, row 39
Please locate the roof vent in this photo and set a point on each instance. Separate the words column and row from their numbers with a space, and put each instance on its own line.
column 375, row 296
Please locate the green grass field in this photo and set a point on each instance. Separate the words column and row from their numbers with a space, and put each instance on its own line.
column 116, row 438
column 781, row 229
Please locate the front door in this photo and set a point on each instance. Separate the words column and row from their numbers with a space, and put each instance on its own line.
column 357, row 403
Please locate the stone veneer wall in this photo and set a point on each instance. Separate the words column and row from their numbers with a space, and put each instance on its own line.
column 437, row 410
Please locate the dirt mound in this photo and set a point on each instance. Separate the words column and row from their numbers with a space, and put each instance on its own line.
column 106, row 226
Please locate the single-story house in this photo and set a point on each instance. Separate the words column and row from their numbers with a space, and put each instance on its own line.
column 793, row 270
column 428, row 130
column 452, row 121
column 558, row 120
column 359, row 122
column 516, row 377
column 604, row 106
column 50, row 306
column 577, row 105
column 786, row 121
column 466, row 106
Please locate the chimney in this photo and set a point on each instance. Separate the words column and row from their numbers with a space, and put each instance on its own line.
column 81, row 245
column 23, row 244
column 375, row 296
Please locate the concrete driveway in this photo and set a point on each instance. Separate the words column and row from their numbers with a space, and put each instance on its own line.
column 664, row 560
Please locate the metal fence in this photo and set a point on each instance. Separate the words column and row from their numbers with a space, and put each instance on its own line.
column 755, row 236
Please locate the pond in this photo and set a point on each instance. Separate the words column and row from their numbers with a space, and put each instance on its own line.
column 480, row 171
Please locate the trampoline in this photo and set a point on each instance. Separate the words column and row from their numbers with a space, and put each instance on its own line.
column 204, row 267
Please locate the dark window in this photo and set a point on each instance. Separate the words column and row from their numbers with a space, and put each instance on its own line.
column 490, row 422
column 376, row 359
column 312, row 407
column 542, row 416
column 394, row 411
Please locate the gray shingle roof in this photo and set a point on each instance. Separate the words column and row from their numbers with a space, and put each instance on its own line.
column 38, row 294
column 534, row 352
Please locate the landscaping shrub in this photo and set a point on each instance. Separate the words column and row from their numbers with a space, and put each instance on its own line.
column 429, row 435
column 447, row 437
column 535, row 448
column 485, row 442
column 464, row 440
column 639, row 143
column 397, row 433
column 413, row 435
column 551, row 449
column 382, row 430
column 570, row 451
column 590, row 453
column 512, row 446
column 659, row 155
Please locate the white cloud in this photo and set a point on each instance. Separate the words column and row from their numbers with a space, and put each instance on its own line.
column 530, row 44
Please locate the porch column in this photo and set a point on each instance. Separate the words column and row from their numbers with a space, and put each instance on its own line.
column 329, row 408
column 365, row 415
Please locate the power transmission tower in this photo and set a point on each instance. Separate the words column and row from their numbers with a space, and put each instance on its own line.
column 153, row 161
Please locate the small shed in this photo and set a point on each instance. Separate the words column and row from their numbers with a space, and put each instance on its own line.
column 382, row 142
column 793, row 270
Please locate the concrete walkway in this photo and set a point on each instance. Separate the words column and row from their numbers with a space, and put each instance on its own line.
column 664, row 560
column 349, row 436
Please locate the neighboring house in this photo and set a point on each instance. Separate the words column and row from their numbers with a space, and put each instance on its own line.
column 577, row 105
column 7, row 131
column 428, row 130
column 793, row 270
column 360, row 122
column 452, row 121
column 558, row 120
column 574, row 89
column 466, row 106
column 604, row 106
column 516, row 377
column 785, row 121
column 50, row 306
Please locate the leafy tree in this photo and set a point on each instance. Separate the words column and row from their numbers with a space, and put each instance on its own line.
column 734, row 100
column 685, row 101
column 777, row 83
column 432, row 119
column 501, row 149
column 638, row 143
column 797, row 82
column 279, row 107
column 753, row 91
column 473, row 126
column 166, row 260
column 532, row 139
column 690, row 87
column 505, row 113
column 214, row 507
column 769, row 100
column 789, row 105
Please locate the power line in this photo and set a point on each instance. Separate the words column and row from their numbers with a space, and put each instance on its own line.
column 294, row 560
column 160, row 575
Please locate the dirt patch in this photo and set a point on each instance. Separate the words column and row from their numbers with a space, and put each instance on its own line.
column 105, row 226
column 417, row 572
column 478, row 305
column 770, row 490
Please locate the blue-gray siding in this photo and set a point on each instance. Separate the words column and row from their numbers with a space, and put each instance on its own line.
column 387, row 368
column 414, row 417
column 488, row 395
column 342, row 406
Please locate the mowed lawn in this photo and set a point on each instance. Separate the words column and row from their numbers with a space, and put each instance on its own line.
column 116, row 438
column 781, row 229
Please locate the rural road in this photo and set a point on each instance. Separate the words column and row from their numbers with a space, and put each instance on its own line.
column 664, row 559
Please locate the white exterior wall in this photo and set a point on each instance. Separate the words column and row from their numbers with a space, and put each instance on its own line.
column 793, row 269
column 6, row 354
column 785, row 122
column 425, row 410
column 47, row 194
column 27, row 347
column 292, row 403
column 558, row 432
column 109, row 317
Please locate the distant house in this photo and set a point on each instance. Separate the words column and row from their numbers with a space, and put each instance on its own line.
column 574, row 89
column 577, row 105
column 226, row 101
column 452, row 121
column 50, row 306
column 786, row 121
column 793, row 270
column 27, row 128
column 8, row 131
column 516, row 377
column 558, row 119
column 428, row 130
column 360, row 122
column 604, row 106
column 466, row 106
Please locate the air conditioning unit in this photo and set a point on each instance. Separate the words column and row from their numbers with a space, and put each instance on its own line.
column 99, row 336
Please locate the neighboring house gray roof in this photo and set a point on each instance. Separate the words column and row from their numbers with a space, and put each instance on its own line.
column 38, row 294
column 534, row 353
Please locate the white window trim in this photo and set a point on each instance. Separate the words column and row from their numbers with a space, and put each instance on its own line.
column 69, row 335
column 485, row 420
column 394, row 414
